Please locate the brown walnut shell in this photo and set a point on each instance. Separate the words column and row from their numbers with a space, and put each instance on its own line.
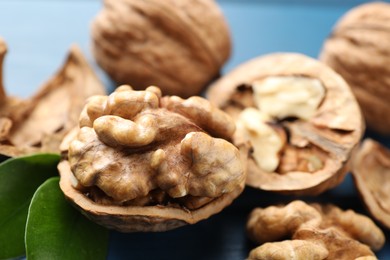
column 331, row 134
column 39, row 123
column 358, row 50
column 143, row 162
column 137, row 218
column 179, row 45
column 371, row 172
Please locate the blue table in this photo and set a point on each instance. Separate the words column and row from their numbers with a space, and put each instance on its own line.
column 40, row 32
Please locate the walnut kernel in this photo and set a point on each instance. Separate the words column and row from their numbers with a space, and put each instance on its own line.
column 321, row 231
column 288, row 96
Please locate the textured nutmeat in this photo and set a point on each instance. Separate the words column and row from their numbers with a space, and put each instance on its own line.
column 289, row 249
column 138, row 149
column 333, row 233
column 123, row 139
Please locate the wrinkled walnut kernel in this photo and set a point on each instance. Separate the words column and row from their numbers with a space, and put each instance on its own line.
column 322, row 231
column 139, row 149
column 289, row 249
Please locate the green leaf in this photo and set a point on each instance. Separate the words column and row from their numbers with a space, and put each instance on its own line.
column 19, row 179
column 55, row 230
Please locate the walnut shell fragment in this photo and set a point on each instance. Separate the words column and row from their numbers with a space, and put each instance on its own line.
column 143, row 162
column 358, row 50
column 316, row 232
column 371, row 172
column 169, row 43
column 39, row 123
column 300, row 118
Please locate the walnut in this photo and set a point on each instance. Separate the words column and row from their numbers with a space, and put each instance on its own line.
column 169, row 43
column 39, row 123
column 300, row 118
column 316, row 231
column 143, row 162
column 289, row 249
column 358, row 50
column 371, row 172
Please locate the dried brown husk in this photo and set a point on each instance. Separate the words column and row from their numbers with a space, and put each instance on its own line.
column 331, row 135
column 39, row 123
column 371, row 172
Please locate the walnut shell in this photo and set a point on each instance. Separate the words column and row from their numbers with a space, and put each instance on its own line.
column 358, row 50
column 167, row 43
column 39, row 123
column 371, row 172
column 328, row 136
column 143, row 162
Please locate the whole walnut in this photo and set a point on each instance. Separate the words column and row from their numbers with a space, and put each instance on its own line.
column 179, row 45
column 358, row 50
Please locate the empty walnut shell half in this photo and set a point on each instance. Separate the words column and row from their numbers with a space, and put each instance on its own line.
column 178, row 44
column 300, row 117
column 39, row 123
column 143, row 162
column 358, row 50
column 371, row 172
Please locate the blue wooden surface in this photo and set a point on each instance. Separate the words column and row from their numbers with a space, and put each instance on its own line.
column 39, row 34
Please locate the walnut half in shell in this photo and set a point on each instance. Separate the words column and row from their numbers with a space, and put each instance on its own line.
column 143, row 162
column 300, row 117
